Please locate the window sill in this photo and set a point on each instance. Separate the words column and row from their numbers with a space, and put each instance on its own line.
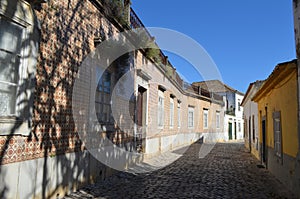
column 11, row 125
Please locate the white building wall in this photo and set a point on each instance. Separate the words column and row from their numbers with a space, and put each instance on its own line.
column 239, row 116
column 238, row 112
column 250, row 110
column 236, row 121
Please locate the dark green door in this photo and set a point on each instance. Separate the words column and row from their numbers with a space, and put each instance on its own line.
column 235, row 130
column 230, row 131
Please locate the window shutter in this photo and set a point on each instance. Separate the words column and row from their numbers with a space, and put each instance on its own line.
column 277, row 134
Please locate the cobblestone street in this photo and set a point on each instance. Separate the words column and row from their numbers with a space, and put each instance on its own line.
column 228, row 171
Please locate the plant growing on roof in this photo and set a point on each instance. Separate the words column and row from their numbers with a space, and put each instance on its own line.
column 118, row 10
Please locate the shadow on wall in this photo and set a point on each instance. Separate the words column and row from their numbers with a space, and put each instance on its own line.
column 66, row 30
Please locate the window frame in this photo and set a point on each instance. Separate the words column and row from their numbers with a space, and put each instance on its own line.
column 104, row 94
column 21, row 68
column 160, row 109
column 192, row 122
column 171, row 113
column 277, row 133
column 253, row 128
column 205, row 119
column 218, row 120
column 239, row 105
column 178, row 114
column 28, row 56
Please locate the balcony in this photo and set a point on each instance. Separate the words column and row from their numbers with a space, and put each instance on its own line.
column 230, row 111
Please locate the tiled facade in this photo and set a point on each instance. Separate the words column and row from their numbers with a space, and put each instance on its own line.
column 67, row 34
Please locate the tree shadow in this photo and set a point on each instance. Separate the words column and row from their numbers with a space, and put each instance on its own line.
column 67, row 34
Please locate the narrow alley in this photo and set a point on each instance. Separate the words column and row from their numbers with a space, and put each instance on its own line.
column 228, row 171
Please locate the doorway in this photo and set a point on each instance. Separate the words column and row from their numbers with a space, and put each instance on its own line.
column 230, row 130
column 235, row 130
column 141, row 118
column 141, row 108
column 263, row 149
column 249, row 134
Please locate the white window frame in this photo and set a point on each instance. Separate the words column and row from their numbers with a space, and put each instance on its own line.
column 160, row 109
column 191, row 120
column 19, row 70
column 22, row 116
column 178, row 115
column 218, row 120
column 171, row 112
column 205, row 119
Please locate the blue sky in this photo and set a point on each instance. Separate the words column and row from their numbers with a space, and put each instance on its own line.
column 246, row 39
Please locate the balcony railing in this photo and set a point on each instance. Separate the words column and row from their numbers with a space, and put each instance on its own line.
column 170, row 71
column 230, row 112
column 136, row 23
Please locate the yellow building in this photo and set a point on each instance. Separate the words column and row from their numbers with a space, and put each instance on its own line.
column 278, row 123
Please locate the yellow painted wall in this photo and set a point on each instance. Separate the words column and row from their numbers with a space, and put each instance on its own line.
column 254, row 151
column 282, row 98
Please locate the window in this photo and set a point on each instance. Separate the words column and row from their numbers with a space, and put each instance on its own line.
column 249, row 128
column 11, row 37
column 218, row 119
column 178, row 115
column 160, row 110
column 253, row 128
column 191, row 117
column 103, row 98
column 239, row 106
column 171, row 112
column 245, row 128
column 104, row 84
column 277, row 134
column 205, row 118
column 19, row 41
column 239, row 127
